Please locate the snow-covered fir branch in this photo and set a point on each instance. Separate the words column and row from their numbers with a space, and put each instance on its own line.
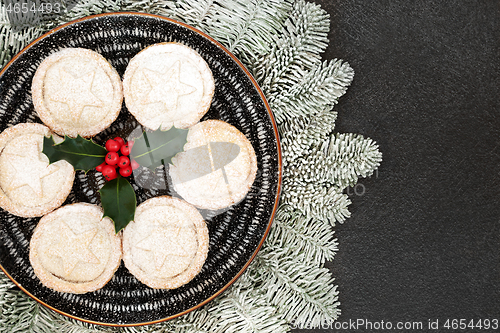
column 236, row 24
column 316, row 200
column 303, row 293
column 303, row 39
column 315, row 91
column 247, row 310
column 197, row 13
column 299, row 234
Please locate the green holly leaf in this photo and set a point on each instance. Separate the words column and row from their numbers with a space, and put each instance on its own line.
column 153, row 149
column 118, row 201
column 83, row 154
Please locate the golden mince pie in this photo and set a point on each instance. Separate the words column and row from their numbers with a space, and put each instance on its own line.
column 77, row 91
column 168, row 84
column 29, row 186
column 166, row 245
column 217, row 168
column 74, row 249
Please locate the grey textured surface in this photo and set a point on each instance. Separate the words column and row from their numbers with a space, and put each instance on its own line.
column 423, row 240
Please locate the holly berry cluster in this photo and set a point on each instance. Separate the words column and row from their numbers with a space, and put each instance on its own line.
column 117, row 158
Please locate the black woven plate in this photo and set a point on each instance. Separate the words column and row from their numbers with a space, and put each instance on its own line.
column 235, row 234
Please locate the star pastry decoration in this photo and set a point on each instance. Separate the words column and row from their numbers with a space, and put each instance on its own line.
column 166, row 88
column 163, row 241
column 29, row 168
column 76, row 93
column 73, row 248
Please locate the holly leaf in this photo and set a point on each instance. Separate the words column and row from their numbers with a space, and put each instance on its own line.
column 83, row 154
column 118, row 201
column 153, row 149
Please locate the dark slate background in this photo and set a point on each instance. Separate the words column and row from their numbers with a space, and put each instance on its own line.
column 423, row 241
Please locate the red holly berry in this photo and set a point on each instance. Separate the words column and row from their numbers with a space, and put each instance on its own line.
column 109, row 172
column 100, row 166
column 119, row 140
column 126, row 171
column 123, row 161
column 125, row 149
column 112, row 158
column 134, row 164
column 112, row 145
